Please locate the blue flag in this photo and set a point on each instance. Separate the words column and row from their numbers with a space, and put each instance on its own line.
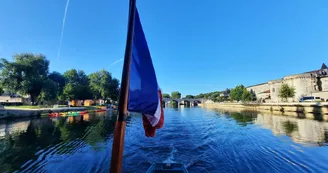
column 144, row 93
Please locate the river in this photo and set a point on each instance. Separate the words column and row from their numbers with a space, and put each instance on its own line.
column 203, row 140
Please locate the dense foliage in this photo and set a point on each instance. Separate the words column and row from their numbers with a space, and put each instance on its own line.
column 240, row 93
column 164, row 95
column 214, row 96
column 189, row 97
column 28, row 75
column 175, row 95
column 102, row 85
column 237, row 92
column 286, row 92
column 77, row 85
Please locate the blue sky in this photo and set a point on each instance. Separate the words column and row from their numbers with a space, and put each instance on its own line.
column 196, row 46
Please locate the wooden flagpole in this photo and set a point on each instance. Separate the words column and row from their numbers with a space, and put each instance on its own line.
column 119, row 131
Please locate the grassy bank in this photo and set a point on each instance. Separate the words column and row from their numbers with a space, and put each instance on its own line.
column 25, row 107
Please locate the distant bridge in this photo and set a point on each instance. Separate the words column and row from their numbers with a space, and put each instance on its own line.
column 191, row 102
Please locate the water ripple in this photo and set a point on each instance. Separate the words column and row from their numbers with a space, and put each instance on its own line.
column 203, row 140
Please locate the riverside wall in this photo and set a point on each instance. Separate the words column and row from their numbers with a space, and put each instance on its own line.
column 302, row 110
column 24, row 112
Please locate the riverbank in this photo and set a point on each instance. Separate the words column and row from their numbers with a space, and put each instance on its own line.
column 301, row 110
column 14, row 112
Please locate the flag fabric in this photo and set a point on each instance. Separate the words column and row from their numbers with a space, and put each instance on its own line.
column 145, row 96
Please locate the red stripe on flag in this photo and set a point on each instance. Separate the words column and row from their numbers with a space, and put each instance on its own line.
column 150, row 131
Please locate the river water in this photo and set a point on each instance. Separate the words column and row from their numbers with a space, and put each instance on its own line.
column 203, row 140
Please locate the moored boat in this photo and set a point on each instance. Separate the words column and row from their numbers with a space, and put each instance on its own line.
column 73, row 114
column 54, row 114
column 100, row 110
column 83, row 112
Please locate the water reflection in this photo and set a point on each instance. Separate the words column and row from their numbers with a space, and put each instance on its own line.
column 244, row 118
column 202, row 139
column 31, row 141
column 300, row 130
column 305, row 131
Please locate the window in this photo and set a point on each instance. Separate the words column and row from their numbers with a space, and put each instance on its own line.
column 273, row 90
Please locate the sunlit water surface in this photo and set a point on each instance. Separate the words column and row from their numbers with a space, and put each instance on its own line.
column 203, row 140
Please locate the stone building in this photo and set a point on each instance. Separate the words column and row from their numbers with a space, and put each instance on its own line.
column 313, row 83
column 261, row 91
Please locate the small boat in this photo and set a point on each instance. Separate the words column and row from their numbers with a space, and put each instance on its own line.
column 83, row 112
column 54, row 114
column 100, row 110
column 167, row 167
column 73, row 114
column 63, row 114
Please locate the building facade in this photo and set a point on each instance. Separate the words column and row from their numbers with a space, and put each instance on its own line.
column 261, row 91
column 313, row 83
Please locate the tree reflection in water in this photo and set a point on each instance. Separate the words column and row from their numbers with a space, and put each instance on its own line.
column 289, row 127
column 65, row 134
column 244, row 118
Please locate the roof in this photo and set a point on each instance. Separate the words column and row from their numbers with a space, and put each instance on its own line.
column 323, row 66
column 257, row 85
column 275, row 81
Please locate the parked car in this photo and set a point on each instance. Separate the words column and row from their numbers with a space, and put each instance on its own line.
column 310, row 99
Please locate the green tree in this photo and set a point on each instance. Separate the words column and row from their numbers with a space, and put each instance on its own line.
column 253, row 95
column 246, row 96
column 114, row 89
column 77, row 85
column 1, row 91
column 103, row 86
column 49, row 92
column 164, row 95
column 25, row 75
column 286, row 91
column 189, row 97
column 237, row 92
column 215, row 96
column 175, row 95
column 199, row 96
column 59, row 80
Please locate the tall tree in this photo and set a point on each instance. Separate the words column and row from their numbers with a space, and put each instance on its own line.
column 175, row 95
column 215, row 96
column 102, row 85
column 25, row 75
column 59, row 80
column 246, row 96
column 114, row 89
column 189, row 97
column 286, row 91
column 164, row 95
column 77, row 85
column 237, row 92
column 49, row 92
column 199, row 96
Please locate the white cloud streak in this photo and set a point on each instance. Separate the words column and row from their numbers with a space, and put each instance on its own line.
column 62, row 30
column 117, row 61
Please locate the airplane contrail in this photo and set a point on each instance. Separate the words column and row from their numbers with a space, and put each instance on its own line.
column 117, row 61
column 62, row 30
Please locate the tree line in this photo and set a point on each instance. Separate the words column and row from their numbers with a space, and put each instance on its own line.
column 28, row 74
column 240, row 93
column 174, row 95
